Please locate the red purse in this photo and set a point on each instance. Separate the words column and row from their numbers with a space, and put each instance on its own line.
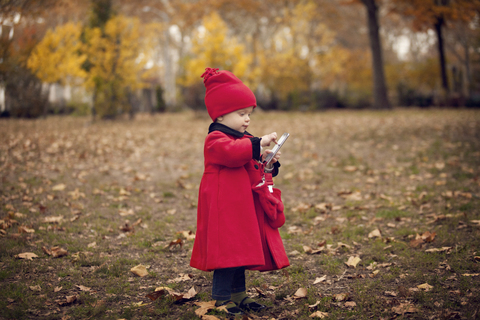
column 271, row 201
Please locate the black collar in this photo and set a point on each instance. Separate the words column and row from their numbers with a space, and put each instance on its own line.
column 215, row 126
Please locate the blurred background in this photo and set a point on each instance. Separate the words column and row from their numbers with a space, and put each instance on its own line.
column 107, row 58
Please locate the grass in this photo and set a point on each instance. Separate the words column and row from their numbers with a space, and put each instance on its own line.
column 399, row 192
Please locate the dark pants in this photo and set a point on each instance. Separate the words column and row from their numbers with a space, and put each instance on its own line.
column 228, row 281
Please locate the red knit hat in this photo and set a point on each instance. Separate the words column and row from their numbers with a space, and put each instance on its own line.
column 225, row 93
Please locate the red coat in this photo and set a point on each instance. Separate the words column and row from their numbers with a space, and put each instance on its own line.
column 232, row 227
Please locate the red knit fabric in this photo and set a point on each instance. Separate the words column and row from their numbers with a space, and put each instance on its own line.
column 225, row 93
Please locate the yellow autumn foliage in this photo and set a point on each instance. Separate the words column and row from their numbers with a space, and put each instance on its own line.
column 117, row 59
column 213, row 47
column 56, row 58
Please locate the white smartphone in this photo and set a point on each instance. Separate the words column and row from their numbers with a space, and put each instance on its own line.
column 277, row 147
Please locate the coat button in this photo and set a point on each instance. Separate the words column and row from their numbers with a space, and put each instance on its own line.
column 256, row 166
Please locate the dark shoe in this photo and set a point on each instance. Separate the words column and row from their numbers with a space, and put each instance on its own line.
column 231, row 308
column 252, row 306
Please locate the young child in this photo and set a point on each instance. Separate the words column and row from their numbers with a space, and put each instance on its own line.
column 238, row 215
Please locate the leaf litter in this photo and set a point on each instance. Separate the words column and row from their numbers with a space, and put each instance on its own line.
column 384, row 192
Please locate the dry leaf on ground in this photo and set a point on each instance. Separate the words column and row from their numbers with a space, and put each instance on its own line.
column 181, row 277
column 209, row 317
column 425, row 287
column 320, row 279
column 353, row 261
column 340, row 296
column 59, row 187
column 204, row 307
column 35, row 288
column 83, row 288
column 25, row 229
column 162, row 291
column 300, row 293
column 139, row 270
column 319, row 314
column 26, row 255
column 55, row 252
column 309, row 250
column 53, row 219
column 350, row 304
column 442, row 249
column 404, row 308
column 375, row 234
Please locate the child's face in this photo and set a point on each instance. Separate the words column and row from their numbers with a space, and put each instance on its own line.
column 237, row 120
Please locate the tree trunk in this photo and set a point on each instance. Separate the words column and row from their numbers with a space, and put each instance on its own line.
column 467, row 70
column 441, row 53
column 379, row 85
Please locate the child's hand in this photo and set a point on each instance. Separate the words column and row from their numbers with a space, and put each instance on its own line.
column 274, row 159
column 267, row 139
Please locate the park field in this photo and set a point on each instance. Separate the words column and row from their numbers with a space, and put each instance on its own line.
column 97, row 219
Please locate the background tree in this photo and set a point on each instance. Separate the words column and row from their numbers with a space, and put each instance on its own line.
column 437, row 14
column 380, row 93
column 115, row 64
column 57, row 57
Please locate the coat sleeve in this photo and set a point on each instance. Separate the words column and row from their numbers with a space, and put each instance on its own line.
column 227, row 151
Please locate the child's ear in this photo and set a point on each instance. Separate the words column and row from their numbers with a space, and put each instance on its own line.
column 220, row 119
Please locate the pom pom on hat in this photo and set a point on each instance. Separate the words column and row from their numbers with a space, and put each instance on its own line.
column 225, row 93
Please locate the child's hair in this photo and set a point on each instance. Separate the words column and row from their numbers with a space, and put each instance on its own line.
column 225, row 93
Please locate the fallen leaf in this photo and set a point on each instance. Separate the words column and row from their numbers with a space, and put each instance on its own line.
column 57, row 289
column 174, row 243
column 36, row 288
column 190, row 293
column 71, row 299
column 210, row 317
column 425, row 287
column 309, row 250
column 477, row 222
column 350, row 304
column 471, row 274
column 319, row 314
column 312, row 306
column 53, row 219
column 340, row 296
column 24, row 229
column 59, row 187
column 139, row 270
column 442, row 249
column 26, row 255
column 300, row 293
column 350, row 168
column 375, row 234
column 127, row 228
column 428, row 236
column 181, row 277
column 204, row 307
column 83, row 288
column 353, row 261
column 321, row 279
column 390, row 293
column 404, row 308
column 156, row 294
column 55, row 252
column 126, row 212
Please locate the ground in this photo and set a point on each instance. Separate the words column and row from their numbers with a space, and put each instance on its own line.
column 382, row 210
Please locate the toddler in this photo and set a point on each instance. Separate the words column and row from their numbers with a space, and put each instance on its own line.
column 238, row 214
